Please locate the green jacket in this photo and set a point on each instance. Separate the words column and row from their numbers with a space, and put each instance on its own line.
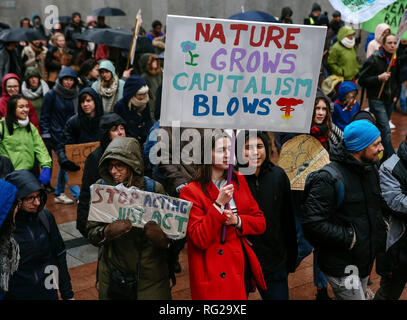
column 22, row 147
column 341, row 60
column 132, row 251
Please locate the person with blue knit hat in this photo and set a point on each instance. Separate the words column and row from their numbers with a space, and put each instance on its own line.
column 9, row 249
column 343, row 215
column 346, row 105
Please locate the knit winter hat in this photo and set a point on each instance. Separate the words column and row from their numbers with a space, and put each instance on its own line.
column 316, row 7
column 132, row 86
column 336, row 14
column 359, row 134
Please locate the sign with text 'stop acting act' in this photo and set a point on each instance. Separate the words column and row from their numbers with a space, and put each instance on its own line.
column 223, row 73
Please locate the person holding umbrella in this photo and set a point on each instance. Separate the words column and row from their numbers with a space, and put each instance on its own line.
column 221, row 270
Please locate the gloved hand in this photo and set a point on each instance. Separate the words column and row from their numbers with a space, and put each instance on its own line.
column 156, row 235
column 68, row 165
column 45, row 175
column 116, row 229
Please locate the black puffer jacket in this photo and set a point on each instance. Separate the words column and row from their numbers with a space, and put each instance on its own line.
column 80, row 128
column 368, row 78
column 90, row 171
column 331, row 229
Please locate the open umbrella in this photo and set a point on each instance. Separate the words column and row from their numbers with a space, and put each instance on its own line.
column 21, row 34
column 107, row 11
column 254, row 16
column 116, row 38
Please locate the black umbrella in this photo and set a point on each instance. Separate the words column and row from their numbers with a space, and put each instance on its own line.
column 116, row 38
column 108, row 11
column 21, row 34
column 254, row 16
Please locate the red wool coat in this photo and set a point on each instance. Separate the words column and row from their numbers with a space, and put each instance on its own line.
column 216, row 271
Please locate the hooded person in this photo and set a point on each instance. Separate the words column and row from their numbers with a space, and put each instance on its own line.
column 313, row 16
column 286, row 14
column 108, row 86
column 40, row 243
column 36, row 23
column 276, row 248
column 9, row 249
column 82, row 127
column 10, row 86
column 60, row 104
column 34, row 88
column 111, row 125
column 141, row 254
column 381, row 30
column 153, row 76
column 134, row 108
column 346, row 105
column 342, row 58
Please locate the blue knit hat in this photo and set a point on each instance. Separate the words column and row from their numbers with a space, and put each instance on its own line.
column 359, row 134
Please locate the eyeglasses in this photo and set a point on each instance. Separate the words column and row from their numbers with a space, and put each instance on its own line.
column 117, row 166
column 32, row 199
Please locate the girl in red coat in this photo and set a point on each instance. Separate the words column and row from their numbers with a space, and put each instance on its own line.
column 221, row 271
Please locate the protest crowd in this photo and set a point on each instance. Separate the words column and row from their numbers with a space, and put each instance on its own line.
column 242, row 236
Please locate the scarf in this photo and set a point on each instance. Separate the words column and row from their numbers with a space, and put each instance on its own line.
column 32, row 95
column 320, row 131
column 345, row 107
column 9, row 259
column 23, row 123
column 138, row 105
column 385, row 54
column 110, row 92
column 65, row 93
column 348, row 43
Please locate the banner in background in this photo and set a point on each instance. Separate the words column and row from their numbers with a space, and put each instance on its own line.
column 391, row 15
column 358, row 11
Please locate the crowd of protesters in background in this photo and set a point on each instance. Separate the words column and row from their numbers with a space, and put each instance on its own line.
column 65, row 90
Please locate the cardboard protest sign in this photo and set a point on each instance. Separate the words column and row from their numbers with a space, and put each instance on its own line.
column 300, row 156
column 239, row 74
column 111, row 203
column 78, row 154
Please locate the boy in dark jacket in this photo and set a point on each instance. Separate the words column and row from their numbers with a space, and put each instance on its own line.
column 60, row 103
column 41, row 246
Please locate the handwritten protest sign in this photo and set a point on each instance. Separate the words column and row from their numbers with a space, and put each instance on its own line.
column 111, row 203
column 78, row 154
column 242, row 75
column 392, row 15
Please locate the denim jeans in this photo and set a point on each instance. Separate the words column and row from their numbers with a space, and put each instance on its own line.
column 383, row 112
column 60, row 188
column 304, row 250
column 277, row 286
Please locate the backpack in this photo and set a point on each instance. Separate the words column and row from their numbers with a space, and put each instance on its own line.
column 333, row 169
